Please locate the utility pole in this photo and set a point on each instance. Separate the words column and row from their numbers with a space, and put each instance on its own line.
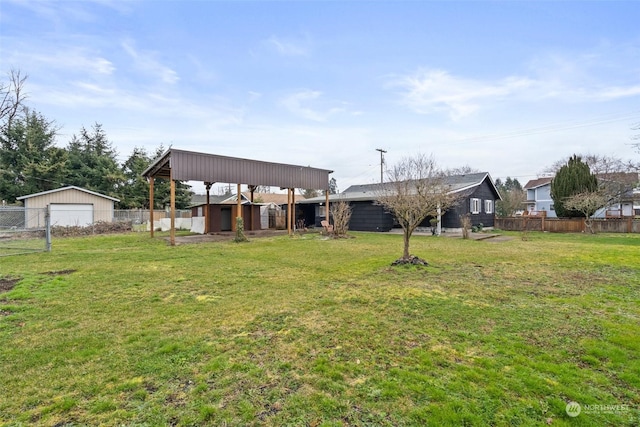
column 381, row 162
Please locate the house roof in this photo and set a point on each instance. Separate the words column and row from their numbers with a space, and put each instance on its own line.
column 70, row 187
column 277, row 198
column 224, row 199
column 538, row 182
column 259, row 198
column 364, row 192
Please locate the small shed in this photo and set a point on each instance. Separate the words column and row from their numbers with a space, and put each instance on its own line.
column 69, row 206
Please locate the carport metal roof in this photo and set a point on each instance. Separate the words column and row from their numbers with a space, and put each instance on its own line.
column 184, row 165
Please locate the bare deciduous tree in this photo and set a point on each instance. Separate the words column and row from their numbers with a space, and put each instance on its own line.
column 308, row 193
column 599, row 165
column 341, row 213
column 587, row 203
column 615, row 176
column 415, row 189
column 512, row 201
column 12, row 97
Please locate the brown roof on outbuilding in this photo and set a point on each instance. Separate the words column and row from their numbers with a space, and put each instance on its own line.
column 184, row 165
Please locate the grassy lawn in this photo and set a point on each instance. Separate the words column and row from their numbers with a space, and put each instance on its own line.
column 126, row 330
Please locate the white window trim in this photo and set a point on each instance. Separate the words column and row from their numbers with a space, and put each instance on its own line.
column 488, row 206
column 475, row 206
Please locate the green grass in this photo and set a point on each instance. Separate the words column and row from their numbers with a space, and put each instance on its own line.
column 126, row 330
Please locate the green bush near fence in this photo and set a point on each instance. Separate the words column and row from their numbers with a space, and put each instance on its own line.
column 127, row 330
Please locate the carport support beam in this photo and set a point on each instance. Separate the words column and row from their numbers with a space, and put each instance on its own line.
column 173, row 211
column 207, row 213
column 293, row 208
column 326, row 206
column 289, row 211
column 239, row 209
column 151, row 202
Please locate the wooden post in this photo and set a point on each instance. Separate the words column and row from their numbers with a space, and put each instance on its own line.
column 289, row 211
column 293, row 209
column 326, row 206
column 239, row 208
column 173, row 210
column 252, row 189
column 151, row 202
column 207, row 213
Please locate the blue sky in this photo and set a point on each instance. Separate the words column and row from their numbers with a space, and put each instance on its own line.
column 504, row 87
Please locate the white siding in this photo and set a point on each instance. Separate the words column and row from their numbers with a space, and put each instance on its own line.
column 102, row 207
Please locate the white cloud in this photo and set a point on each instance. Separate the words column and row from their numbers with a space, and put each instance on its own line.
column 437, row 91
column 146, row 62
column 287, row 47
column 298, row 104
column 431, row 91
column 254, row 96
column 70, row 59
column 615, row 92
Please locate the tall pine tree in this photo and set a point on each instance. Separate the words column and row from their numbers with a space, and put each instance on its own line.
column 93, row 162
column 29, row 160
column 134, row 193
column 573, row 178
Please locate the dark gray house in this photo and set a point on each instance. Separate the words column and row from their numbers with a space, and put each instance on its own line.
column 478, row 198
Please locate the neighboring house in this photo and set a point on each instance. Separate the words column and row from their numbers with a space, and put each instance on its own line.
column 626, row 190
column 69, row 206
column 627, row 203
column 478, row 196
column 539, row 196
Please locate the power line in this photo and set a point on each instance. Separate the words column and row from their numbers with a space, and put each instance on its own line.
column 610, row 118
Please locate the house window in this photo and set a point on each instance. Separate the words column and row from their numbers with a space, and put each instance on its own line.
column 475, row 206
column 488, row 206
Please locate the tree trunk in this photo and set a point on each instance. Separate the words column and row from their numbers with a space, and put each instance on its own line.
column 407, row 236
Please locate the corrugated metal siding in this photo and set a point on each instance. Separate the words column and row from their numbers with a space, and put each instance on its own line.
column 191, row 166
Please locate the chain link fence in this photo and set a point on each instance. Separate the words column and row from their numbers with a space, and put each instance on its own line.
column 24, row 230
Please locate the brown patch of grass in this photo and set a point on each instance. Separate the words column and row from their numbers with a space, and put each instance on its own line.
column 8, row 283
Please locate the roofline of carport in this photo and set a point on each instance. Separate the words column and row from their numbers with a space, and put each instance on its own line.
column 193, row 166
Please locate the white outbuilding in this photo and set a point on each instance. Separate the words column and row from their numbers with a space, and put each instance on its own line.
column 69, row 206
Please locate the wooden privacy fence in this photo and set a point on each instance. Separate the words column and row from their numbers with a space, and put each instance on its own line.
column 567, row 225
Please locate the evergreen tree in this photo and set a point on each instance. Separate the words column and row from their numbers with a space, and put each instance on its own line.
column 513, row 197
column 333, row 186
column 92, row 162
column 573, row 178
column 134, row 192
column 29, row 161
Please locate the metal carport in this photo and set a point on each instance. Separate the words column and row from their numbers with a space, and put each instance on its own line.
column 181, row 165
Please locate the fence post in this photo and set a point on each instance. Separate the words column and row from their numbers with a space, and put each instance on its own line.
column 630, row 224
column 47, row 227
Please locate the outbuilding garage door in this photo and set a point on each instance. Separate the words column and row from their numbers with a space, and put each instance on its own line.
column 71, row 215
